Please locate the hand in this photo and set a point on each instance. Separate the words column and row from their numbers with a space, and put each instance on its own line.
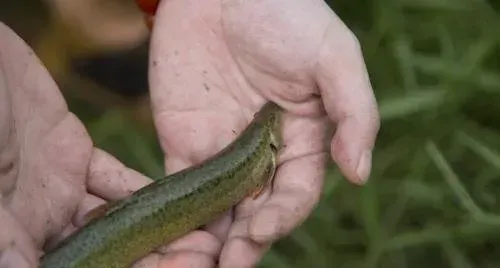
column 50, row 174
column 213, row 64
column 44, row 196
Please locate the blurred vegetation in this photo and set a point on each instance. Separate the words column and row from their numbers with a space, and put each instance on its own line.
column 433, row 198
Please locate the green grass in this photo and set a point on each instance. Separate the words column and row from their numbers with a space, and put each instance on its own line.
column 433, row 197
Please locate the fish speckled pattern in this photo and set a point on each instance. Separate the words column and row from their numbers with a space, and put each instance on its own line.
column 177, row 204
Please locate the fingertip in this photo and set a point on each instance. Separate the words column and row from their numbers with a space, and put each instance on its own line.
column 349, row 101
column 353, row 155
column 264, row 227
column 186, row 259
column 352, row 145
column 241, row 252
column 110, row 179
column 151, row 260
column 90, row 202
column 175, row 164
column 363, row 169
column 220, row 227
column 196, row 241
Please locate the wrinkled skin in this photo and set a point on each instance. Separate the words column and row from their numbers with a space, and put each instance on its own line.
column 213, row 64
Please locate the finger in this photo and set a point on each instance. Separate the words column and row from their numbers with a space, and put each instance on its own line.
column 196, row 241
column 296, row 191
column 240, row 250
column 109, row 179
column 176, row 260
column 16, row 248
column 298, row 179
column 81, row 217
column 53, row 241
column 220, row 227
column 349, row 100
column 197, row 249
column 186, row 259
column 149, row 261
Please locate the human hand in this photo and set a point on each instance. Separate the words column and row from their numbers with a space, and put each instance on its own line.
column 44, row 196
column 212, row 65
column 50, row 174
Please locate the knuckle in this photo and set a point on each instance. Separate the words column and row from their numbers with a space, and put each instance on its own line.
column 352, row 41
column 373, row 121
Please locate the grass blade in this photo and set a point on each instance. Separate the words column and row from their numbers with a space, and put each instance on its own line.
column 415, row 102
column 452, row 180
column 486, row 153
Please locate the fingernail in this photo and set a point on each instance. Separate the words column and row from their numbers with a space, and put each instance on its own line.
column 364, row 166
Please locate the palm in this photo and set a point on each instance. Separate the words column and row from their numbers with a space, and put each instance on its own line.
column 50, row 174
column 36, row 129
column 213, row 64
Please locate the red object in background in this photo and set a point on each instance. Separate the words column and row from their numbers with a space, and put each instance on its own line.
column 148, row 6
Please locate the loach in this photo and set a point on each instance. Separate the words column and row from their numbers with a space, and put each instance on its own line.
column 170, row 207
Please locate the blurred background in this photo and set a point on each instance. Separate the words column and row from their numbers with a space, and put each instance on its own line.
column 434, row 196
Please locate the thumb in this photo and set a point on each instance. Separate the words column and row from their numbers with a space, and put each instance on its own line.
column 349, row 101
